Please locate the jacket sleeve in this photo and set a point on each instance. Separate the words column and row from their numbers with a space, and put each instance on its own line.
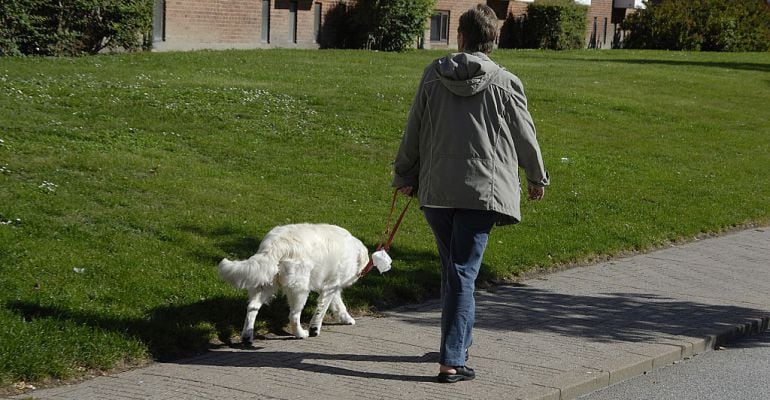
column 406, row 167
column 525, row 137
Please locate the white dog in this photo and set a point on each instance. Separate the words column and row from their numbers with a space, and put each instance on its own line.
column 299, row 258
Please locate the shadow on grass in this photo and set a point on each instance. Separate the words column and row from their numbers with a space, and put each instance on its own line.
column 746, row 66
column 169, row 332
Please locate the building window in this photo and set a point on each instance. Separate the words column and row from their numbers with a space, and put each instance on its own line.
column 293, row 21
column 265, row 21
column 159, row 21
column 439, row 27
column 317, row 22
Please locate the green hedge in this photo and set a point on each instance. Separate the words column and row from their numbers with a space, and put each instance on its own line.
column 708, row 25
column 548, row 24
column 73, row 27
column 388, row 25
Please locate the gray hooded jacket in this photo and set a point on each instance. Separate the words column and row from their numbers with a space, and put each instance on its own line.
column 468, row 132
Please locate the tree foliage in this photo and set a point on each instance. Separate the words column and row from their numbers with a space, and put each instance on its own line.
column 72, row 27
column 708, row 25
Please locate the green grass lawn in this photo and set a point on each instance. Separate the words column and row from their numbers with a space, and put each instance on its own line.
column 125, row 178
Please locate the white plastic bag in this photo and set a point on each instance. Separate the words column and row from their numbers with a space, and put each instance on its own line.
column 382, row 261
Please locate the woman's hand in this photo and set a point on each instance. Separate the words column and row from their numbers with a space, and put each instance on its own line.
column 405, row 190
column 535, row 192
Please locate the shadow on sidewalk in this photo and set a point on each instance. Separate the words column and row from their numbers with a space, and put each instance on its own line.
column 601, row 317
column 304, row 362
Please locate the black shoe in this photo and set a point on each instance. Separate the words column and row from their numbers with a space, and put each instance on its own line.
column 462, row 374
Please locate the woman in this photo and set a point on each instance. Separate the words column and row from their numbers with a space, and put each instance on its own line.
column 468, row 132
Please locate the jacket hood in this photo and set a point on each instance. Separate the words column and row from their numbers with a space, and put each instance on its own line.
column 466, row 74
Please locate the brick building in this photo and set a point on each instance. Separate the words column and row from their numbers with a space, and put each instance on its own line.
column 239, row 24
column 245, row 24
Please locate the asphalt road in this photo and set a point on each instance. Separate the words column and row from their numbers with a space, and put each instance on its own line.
column 741, row 370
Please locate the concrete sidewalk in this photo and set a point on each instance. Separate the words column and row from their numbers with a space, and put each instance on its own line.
column 555, row 337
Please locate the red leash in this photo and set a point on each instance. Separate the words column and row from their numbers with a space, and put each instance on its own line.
column 385, row 243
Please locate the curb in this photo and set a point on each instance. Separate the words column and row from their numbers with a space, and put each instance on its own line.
column 576, row 383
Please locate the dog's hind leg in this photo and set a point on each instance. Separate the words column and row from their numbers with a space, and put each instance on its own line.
column 257, row 298
column 297, row 297
column 339, row 310
column 324, row 301
column 295, row 279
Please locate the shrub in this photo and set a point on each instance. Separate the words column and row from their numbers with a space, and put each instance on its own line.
column 548, row 24
column 708, row 25
column 74, row 27
column 389, row 25
column 392, row 25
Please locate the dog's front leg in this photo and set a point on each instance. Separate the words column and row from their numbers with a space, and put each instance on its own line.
column 340, row 311
column 257, row 298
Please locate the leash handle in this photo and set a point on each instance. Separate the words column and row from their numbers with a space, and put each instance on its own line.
column 385, row 243
column 389, row 234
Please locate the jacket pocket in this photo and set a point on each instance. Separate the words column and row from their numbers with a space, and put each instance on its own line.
column 463, row 182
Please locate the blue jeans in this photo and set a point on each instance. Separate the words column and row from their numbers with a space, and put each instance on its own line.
column 461, row 237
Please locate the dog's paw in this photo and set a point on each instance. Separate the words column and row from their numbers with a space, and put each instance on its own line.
column 300, row 333
column 347, row 319
column 314, row 331
column 247, row 337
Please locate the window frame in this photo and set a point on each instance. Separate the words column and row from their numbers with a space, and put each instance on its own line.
column 443, row 27
column 293, row 20
column 265, row 34
column 317, row 21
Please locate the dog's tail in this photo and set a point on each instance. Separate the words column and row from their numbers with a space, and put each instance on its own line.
column 259, row 270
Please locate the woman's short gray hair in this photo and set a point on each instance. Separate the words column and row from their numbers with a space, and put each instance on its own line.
column 479, row 29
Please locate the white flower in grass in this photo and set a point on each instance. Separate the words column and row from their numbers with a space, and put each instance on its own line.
column 48, row 186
